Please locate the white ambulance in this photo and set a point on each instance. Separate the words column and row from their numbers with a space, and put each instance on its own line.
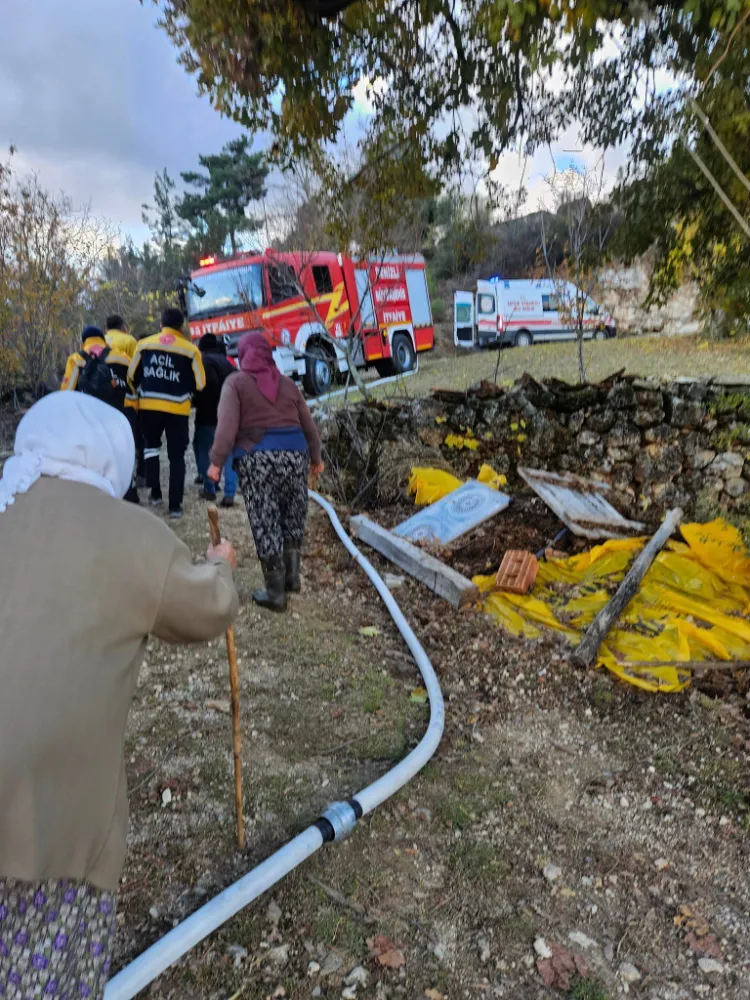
column 504, row 313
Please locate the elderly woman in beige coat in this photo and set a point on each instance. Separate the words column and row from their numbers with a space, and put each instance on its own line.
column 85, row 579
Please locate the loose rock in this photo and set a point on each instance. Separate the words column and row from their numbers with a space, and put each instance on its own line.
column 333, row 963
column 582, row 940
column 279, row 956
column 628, row 973
column 552, row 872
column 542, row 949
column 357, row 977
column 238, row 953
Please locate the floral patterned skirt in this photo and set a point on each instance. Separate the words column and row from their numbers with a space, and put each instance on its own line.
column 55, row 939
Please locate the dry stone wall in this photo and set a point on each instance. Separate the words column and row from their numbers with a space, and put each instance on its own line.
column 684, row 443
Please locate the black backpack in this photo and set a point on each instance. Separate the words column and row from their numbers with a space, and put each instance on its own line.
column 98, row 379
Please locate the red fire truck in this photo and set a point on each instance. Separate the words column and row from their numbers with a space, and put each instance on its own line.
column 311, row 305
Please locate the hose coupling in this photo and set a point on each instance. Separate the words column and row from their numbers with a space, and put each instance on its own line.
column 338, row 821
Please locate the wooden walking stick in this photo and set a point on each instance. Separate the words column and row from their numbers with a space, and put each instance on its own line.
column 213, row 526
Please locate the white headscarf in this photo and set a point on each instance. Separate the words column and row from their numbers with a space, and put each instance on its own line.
column 69, row 435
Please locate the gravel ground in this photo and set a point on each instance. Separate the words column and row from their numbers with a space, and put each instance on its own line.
column 572, row 836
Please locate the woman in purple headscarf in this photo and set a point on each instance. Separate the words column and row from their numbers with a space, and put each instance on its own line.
column 263, row 415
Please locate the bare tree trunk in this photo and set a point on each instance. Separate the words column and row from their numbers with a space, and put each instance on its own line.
column 581, row 364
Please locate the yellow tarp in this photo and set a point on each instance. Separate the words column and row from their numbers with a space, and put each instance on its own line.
column 428, row 485
column 692, row 605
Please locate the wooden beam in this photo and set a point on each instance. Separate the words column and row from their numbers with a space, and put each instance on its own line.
column 585, row 653
column 691, row 664
column 441, row 579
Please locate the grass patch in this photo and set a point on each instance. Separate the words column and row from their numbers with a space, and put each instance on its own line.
column 737, row 403
column 602, row 698
column 338, row 929
column 480, row 864
column 372, row 696
column 725, row 785
column 388, row 745
column 470, row 795
column 587, row 989
column 519, row 929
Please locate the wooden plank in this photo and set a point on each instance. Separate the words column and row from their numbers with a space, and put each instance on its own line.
column 580, row 504
column 585, row 653
column 441, row 579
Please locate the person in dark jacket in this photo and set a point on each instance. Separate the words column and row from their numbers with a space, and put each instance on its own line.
column 93, row 343
column 218, row 368
column 263, row 416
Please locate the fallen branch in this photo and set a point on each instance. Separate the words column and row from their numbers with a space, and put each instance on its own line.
column 585, row 653
column 338, row 897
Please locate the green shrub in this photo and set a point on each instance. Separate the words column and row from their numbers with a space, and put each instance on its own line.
column 439, row 311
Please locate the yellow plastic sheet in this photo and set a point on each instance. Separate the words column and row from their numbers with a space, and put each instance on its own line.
column 607, row 560
column 428, row 485
column 622, row 648
column 692, row 604
column 719, row 546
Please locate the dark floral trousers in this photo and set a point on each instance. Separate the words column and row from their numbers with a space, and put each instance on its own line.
column 274, row 487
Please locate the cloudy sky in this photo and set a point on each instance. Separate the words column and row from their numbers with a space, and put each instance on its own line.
column 93, row 98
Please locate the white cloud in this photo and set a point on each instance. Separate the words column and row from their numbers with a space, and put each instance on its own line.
column 363, row 91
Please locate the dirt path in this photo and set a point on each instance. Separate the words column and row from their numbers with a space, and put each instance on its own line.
column 558, row 804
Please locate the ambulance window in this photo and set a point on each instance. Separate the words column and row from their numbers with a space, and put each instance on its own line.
column 550, row 304
column 463, row 313
column 322, row 279
column 283, row 282
column 486, row 304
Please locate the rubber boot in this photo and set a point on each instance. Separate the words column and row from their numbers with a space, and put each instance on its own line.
column 292, row 561
column 274, row 596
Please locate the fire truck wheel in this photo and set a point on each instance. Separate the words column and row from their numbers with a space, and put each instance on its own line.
column 404, row 355
column 601, row 334
column 318, row 377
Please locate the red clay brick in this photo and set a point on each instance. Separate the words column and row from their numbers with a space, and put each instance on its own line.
column 517, row 572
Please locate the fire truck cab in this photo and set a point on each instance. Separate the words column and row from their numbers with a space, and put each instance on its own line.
column 319, row 310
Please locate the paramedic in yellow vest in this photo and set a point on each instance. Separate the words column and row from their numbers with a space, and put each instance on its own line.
column 93, row 342
column 167, row 371
column 119, row 337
